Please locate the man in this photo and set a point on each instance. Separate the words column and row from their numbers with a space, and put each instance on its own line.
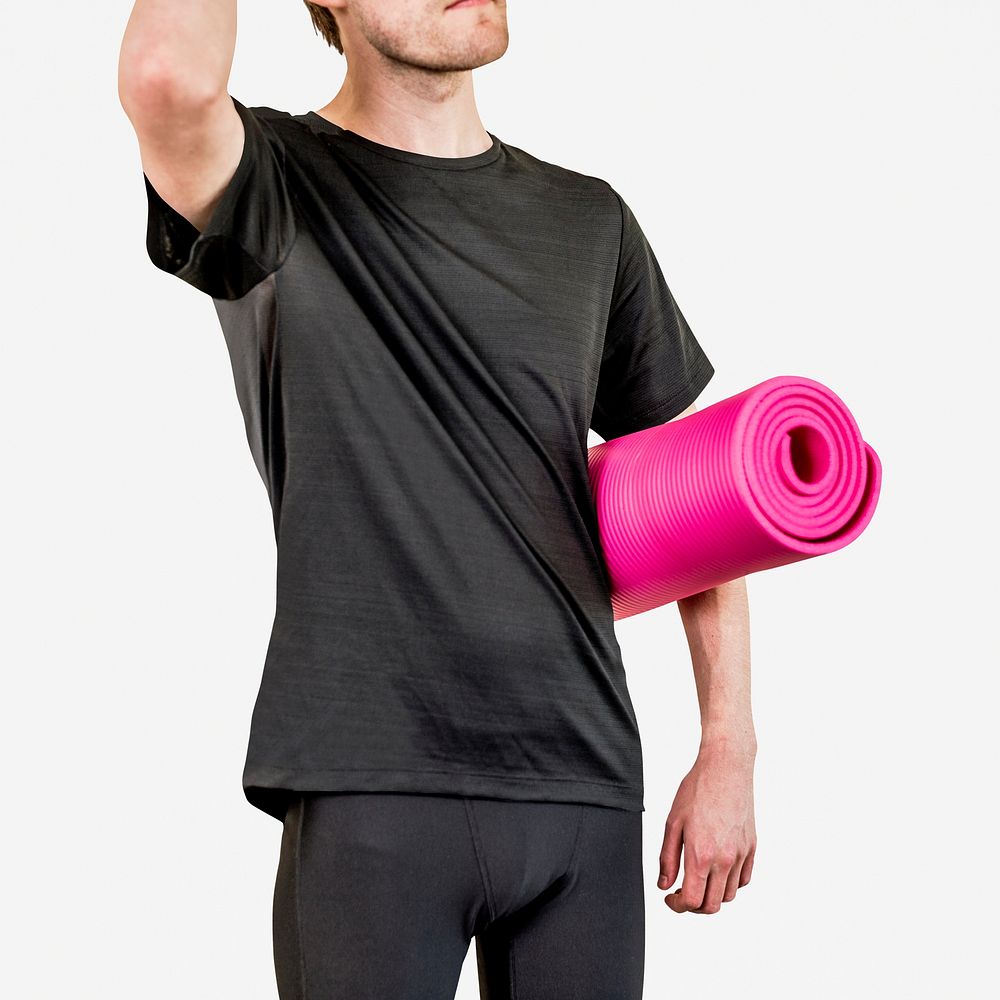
column 423, row 322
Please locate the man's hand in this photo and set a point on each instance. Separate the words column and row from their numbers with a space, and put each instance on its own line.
column 712, row 816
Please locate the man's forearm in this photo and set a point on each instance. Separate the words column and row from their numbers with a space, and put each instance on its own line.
column 177, row 47
column 717, row 624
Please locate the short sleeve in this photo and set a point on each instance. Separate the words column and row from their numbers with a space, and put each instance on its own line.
column 251, row 229
column 652, row 367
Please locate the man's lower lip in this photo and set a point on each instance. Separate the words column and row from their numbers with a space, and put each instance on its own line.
column 467, row 3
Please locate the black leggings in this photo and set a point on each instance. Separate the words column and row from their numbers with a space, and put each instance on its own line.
column 378, row 894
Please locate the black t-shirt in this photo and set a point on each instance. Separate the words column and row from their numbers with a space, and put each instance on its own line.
column 419, row 346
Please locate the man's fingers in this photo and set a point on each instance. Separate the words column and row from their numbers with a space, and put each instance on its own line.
column 670, row 854
column 714, row 890
column 748, row 865
column 733, row 882
column 705, row 893
column 691, row 894
column 673, row 900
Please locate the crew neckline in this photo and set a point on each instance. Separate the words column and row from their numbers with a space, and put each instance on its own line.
column 480, row 159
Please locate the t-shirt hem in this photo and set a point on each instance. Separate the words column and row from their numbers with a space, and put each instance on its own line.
column 270, row 788
column 667, row 409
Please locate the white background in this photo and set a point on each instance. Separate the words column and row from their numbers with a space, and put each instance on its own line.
column 819, row 182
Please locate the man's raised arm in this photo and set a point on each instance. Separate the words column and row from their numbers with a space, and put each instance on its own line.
column 173, row 77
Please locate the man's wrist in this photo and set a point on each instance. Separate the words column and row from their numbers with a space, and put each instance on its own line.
column 730, row 737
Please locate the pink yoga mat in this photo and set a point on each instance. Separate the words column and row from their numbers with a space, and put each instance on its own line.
column 775, row 474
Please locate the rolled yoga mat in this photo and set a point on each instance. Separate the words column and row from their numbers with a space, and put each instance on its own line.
column 770, row 476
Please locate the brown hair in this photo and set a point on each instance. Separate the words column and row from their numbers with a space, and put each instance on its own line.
column 325, row 24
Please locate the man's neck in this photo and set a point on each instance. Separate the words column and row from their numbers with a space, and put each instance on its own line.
column 427, row 112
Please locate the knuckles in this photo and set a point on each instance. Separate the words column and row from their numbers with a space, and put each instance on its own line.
column 707, row 856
